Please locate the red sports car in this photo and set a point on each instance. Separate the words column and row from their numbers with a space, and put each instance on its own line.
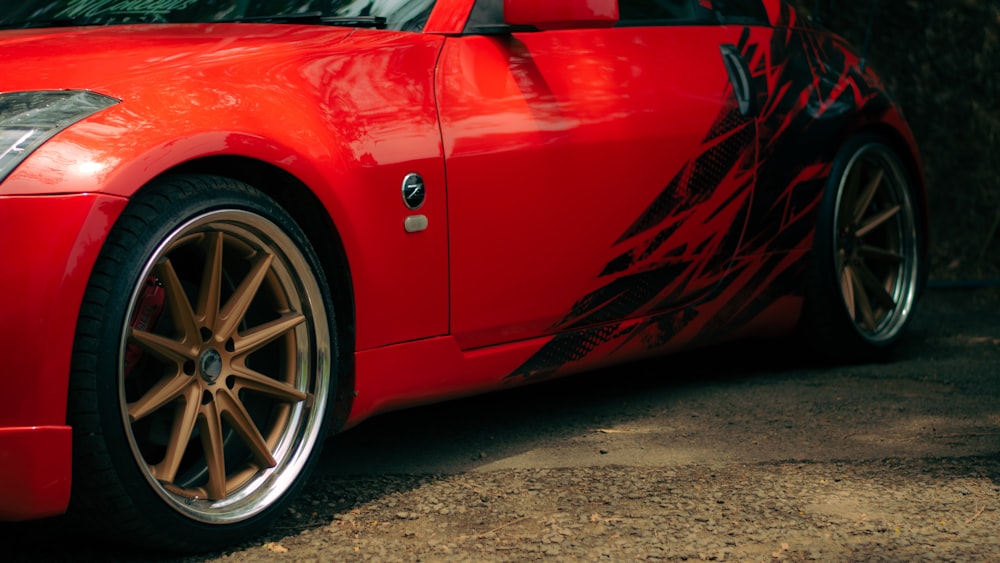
column 229, row 228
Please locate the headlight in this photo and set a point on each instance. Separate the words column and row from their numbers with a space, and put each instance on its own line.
column 28, row 119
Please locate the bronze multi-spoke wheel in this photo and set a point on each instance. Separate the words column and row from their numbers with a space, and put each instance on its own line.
column 205, row 336
column 868, row 252
column 876, row 234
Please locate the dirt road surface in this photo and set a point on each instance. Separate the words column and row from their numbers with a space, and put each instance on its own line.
column 748, row 452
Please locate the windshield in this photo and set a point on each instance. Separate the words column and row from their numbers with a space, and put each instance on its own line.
column 407, row 15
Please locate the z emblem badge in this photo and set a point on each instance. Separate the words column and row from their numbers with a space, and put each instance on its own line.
column 413, row 191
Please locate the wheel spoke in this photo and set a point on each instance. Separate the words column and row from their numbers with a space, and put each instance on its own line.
column 849, row 195
column 162, row 393
column 167, row 349
column 237, row 416
column 877, row 220
column 866, row 197
column 180, row 435
column 177, row 302
column 864, row 306
column 874, row 289
column 251, row 380
column 211, row 281
column 236, row 308
column 847, row 288
column 212, row 442
column 261, row 335
column 877, row 253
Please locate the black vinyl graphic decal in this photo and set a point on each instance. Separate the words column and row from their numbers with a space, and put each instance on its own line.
column 815, row 91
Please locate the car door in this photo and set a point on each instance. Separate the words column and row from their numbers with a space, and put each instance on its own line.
column 593, row 174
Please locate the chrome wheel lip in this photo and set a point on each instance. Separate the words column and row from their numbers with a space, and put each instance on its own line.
column 305, row 420
column 905, row 287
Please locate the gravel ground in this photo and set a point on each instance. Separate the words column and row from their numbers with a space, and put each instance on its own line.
column 743, row 453
column 885, row 510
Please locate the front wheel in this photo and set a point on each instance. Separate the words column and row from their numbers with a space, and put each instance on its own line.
column 202, row 369
column 867, row 267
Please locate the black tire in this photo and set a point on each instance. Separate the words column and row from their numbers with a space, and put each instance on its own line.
column 868, row 264
column 195, row 427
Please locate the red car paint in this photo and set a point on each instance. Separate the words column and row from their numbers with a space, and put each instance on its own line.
column 593, row 195
column 48, row 244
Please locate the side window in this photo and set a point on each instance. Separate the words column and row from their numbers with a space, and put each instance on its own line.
column 645, row 12
column 487, row 18
column 742, row 11
column 487, row 15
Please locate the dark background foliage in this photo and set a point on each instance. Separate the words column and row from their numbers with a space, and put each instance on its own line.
column 941, row 60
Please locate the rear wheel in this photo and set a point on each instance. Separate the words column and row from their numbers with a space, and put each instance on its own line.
column 202, row 368
column 868, row 260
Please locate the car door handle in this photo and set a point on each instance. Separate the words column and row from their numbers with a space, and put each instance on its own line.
column 739, row 76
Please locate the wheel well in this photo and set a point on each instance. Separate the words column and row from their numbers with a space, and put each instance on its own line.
column 898, row 143
column 307, row 210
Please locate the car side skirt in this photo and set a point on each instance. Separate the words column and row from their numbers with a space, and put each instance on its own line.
column 431, row 370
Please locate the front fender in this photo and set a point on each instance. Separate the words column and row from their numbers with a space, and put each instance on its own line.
column 350, row 128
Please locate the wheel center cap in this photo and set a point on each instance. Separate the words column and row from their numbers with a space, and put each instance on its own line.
column 210, row 365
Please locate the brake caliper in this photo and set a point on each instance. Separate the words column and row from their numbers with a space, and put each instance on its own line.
column 147, row 312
